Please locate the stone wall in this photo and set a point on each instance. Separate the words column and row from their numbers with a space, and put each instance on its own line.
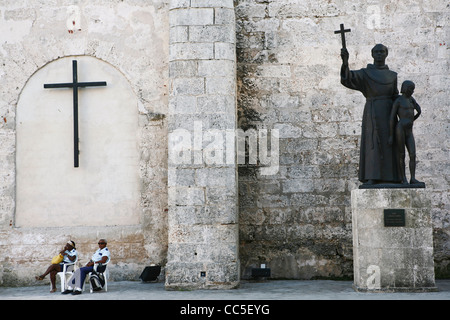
column 131, row 36
column 298, row 221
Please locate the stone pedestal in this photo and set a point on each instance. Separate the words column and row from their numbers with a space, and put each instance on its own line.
column 392, row 255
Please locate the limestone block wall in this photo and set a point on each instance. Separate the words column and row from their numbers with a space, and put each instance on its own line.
column 298, row 221
column 202, row 187
column 130, row 36
column 283, row 57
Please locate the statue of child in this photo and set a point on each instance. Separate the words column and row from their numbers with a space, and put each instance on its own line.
column 403, row 108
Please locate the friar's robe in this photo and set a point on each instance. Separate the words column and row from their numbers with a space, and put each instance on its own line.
column 379, row 85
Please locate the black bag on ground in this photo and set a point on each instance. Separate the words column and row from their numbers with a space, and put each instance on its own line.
column 97, row 281
column 150, row 273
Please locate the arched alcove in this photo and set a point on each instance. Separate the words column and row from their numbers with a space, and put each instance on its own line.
column 105, row 189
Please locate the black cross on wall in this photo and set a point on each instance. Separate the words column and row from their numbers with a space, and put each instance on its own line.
column 75, row 85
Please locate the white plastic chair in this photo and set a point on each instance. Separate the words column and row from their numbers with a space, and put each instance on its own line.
column 105, row 275
column 68, row 268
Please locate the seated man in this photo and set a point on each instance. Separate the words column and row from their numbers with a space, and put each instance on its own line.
column 76, row 281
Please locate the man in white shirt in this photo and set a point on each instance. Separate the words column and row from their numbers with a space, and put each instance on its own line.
column 76, row 281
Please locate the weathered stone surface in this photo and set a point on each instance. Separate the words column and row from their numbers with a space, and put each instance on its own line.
column 131, row 36
column 203, row 224
column 388, row 258
column 288, row 61
column 297, row 220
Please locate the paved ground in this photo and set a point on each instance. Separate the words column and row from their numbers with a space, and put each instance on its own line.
column 265, row 290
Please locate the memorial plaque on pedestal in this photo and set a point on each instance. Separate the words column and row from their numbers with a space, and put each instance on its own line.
column 394, row 217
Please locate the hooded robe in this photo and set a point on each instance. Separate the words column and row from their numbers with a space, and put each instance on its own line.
column 378, row 84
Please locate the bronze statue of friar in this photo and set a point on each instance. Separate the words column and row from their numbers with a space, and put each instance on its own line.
column 379, row 163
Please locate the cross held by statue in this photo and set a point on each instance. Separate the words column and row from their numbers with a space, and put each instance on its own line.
column 74, row 85
column 342, row 31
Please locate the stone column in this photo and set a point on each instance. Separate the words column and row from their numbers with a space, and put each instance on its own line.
column 203, row 216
